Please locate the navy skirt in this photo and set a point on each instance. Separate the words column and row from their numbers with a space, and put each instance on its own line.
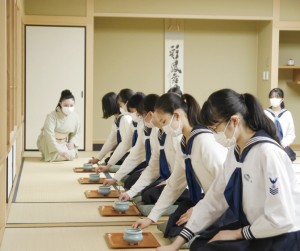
column 284, row 242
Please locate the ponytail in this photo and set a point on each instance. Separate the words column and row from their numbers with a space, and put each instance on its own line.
column 256, row 118
column 193, row 109
column 169, row 102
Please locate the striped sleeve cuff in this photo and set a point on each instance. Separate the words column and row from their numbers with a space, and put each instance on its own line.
column 247, row 234
column 186, row 234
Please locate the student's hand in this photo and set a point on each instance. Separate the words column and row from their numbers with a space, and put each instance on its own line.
column 93, row 161
column 70, row 146
column 179, row 241
column 184, row 217
column 228, row 235
column 102, row 169
column 166, row 248
column 124, row 196
column 142, row 223
column 109, row 182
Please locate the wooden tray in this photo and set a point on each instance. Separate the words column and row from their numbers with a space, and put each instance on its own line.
column 87, row 181
column 115, row 240
column 93, row 194
column 82, row 170
column 110, row 211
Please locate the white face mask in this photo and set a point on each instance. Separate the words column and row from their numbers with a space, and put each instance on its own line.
column 149, row 124
column 275, row 102
column 172, row 132
column 223, row 140
column 123, row 111
column 135, row 118
column 67, row 109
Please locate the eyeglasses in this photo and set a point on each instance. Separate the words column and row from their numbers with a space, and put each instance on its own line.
column 214, row 128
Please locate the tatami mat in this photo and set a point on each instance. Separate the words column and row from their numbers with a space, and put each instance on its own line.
column 53, row 182
column 63, row 213
column 65, row 238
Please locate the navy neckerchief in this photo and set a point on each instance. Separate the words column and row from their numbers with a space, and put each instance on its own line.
column 147, row 132
column 117, row 122
column 277, row 123
column 234, row 189
column 164, row 170
column 195, row 189
column 135, row 134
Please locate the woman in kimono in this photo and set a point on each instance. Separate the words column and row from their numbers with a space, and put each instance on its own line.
column 258, row 183
column 58, row 139
column 120, row 137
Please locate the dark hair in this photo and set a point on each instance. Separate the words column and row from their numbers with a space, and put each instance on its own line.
column 169, row 102
column 278, row 93
column 175, row 89
column 124, row 95
column 135, row 100
column 65, row 94
column 148, row 104
column 222, row 104
column 109, row 105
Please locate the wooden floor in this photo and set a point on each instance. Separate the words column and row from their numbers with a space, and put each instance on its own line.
column 50, row 211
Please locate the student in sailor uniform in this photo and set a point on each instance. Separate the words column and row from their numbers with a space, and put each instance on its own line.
column 140, row 154
column 258, row 182
column 153, row 179
column 281, row 117
column 199, row 159
column 120, row 138
column 132, row 105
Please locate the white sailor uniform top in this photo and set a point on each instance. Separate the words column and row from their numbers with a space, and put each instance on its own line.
column 137, row 153
column 152, row 172
column 287, row 124
column 270, row 193
column 207, row 157
column 111, row 143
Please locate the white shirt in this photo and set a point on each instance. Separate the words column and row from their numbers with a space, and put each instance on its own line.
column 152, row 171
column 268, row 214
column 207, row 158
column 125, row 128
column 137, row 153
column 288, row 128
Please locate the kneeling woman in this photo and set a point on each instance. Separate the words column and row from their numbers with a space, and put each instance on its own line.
column 58, row 140
column 258, row 182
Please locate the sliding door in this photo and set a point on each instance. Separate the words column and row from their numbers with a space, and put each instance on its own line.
column 55, row 60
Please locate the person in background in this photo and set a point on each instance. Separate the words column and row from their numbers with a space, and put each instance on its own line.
column 258, row 183
column 199, row 159
column 175, row 89
column 59, row 137
column 120, row 137
column 283, row 120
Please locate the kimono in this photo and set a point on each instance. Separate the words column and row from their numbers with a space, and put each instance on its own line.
column 57, row 132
